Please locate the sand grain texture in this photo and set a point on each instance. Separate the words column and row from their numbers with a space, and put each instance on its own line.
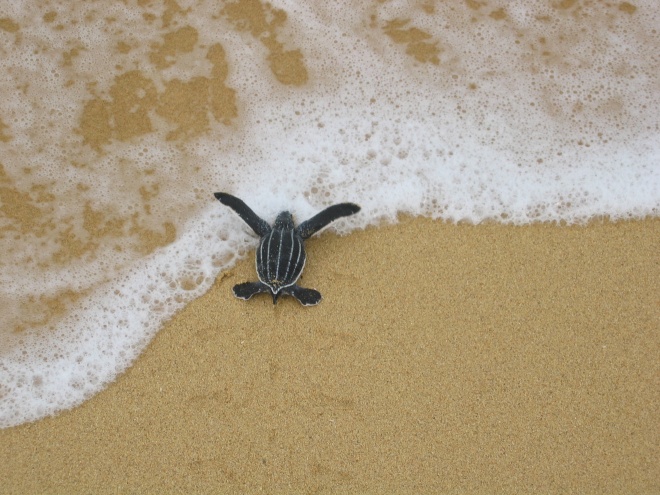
column 443, row 358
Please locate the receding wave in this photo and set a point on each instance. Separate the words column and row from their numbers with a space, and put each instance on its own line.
column 118, row 122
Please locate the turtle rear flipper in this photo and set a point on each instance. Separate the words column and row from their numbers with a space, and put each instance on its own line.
column 306, row 297
column 320, row 220
column 256, row 223
column 248, row 289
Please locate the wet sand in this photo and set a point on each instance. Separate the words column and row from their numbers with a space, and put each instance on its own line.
column 443, row 359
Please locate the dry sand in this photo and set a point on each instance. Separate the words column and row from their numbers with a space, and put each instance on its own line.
column 443, row 359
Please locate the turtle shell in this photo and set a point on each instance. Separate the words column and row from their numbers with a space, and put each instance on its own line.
column 280, row 258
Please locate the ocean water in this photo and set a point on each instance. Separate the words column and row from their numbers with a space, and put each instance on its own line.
column 119, row 119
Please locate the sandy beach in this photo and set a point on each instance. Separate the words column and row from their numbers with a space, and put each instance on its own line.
column 443, row 359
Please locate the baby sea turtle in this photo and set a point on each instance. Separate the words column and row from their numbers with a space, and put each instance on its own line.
column 281, row 253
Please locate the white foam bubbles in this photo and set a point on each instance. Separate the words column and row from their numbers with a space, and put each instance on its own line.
column 42, row 374
column 458, row 113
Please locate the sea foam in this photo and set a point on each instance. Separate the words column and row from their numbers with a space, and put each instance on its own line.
column 118, row 122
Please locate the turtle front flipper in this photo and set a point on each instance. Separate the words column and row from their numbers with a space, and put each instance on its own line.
column 256, row 223
column 306, row 297
column 320, row 220
column 248, row 289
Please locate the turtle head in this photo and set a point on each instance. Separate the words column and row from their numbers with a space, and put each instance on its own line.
column 284, row 221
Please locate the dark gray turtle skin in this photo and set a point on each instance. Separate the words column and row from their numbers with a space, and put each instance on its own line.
column 281, row 253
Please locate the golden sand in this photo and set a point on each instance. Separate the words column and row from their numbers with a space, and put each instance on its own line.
column 443, row 359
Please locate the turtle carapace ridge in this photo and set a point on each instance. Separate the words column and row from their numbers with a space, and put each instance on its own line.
column 281, row 254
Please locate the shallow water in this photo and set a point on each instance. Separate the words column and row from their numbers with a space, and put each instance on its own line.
column 118, row 121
